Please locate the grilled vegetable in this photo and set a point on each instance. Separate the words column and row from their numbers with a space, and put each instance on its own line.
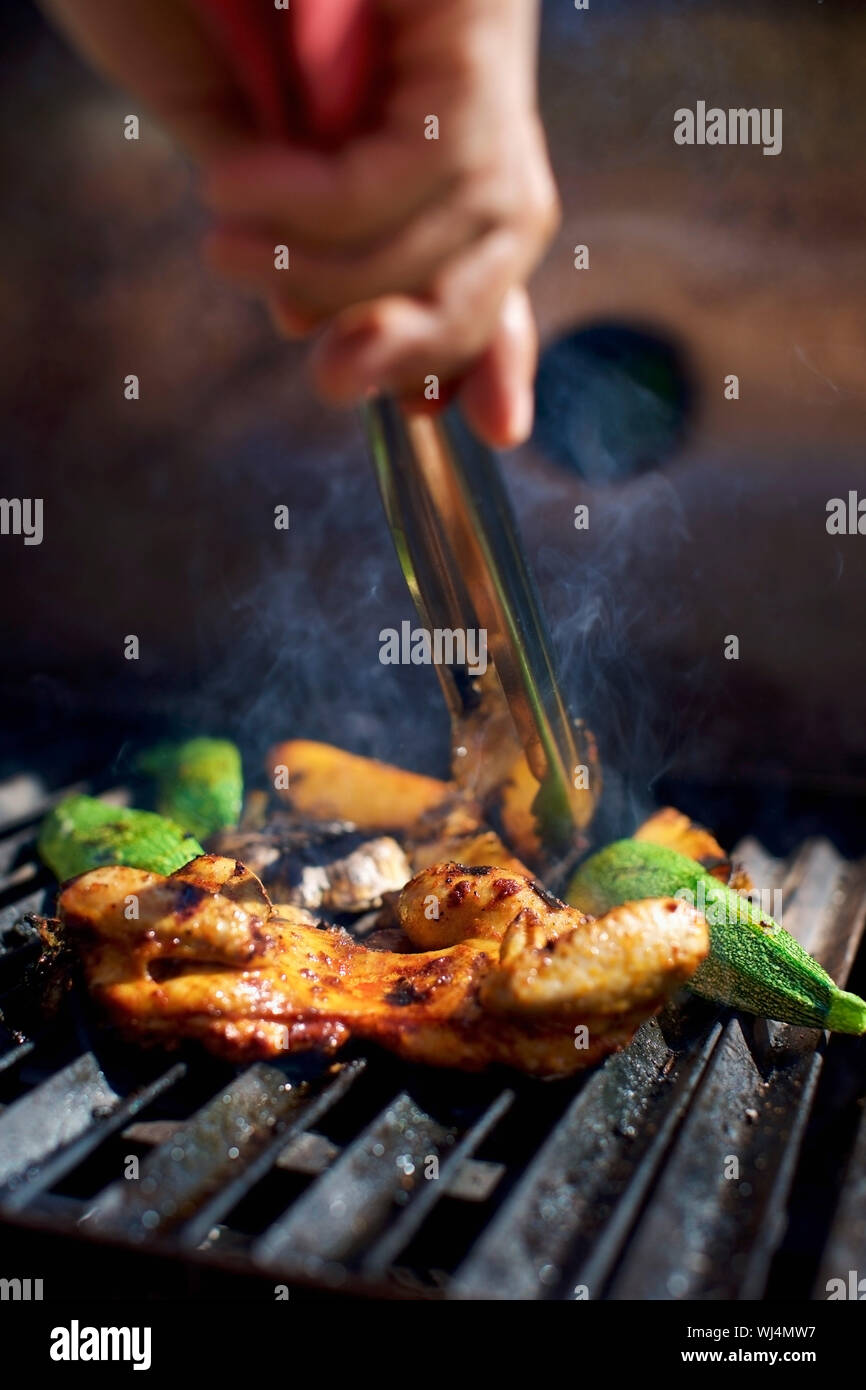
column 754, row 964
column 84, row 833
column 199, row 782
column 326, row 783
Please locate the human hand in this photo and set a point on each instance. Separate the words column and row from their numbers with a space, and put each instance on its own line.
column 413, row 252
column 407, row 255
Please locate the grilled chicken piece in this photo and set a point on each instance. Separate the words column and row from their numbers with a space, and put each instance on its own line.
column 478, row 849
column 209, row 957
column 447, row 903
column 554, row 961
column 607, row 974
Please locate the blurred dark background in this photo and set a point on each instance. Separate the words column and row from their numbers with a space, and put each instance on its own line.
column 707, row 516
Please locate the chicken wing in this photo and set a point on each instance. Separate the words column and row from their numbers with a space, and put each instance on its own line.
column 513, row 975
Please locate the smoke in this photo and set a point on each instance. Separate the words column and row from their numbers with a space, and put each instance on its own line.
column 616, row 607
column 303, row 657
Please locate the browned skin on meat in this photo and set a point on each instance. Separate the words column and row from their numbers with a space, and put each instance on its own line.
column 209, row 957
column 481, row 849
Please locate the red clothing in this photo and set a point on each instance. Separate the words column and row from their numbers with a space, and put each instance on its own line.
column 305, row 69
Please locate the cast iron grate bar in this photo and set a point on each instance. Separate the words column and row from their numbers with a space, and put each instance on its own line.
column 311, row 1154
column 212, row 1160
column 385, row 1250
column 53, row 1115
column 602, row 1145
column 25, row 1186
column 16, row 1054
column 228, row 1196
column 336, row 1220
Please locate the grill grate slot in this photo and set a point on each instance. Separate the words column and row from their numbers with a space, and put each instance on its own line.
column 350, row 1204
column 424, row 1198
column 191, row 1181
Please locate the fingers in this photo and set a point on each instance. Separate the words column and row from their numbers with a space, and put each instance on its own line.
column 399, row 342
column 497, row 393
column 403, row 300
column 349, row 198
column 322, row 281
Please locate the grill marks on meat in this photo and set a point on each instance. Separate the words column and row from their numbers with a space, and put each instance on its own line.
column 504, row 975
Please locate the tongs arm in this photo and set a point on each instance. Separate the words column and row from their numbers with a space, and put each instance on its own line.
column 459, row 547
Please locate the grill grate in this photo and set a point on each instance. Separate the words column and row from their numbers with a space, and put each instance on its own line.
column 664, row 1174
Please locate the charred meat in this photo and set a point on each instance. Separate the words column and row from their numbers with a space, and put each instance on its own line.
column 505, row 974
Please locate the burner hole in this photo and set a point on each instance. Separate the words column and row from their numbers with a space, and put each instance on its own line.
column 611, row 401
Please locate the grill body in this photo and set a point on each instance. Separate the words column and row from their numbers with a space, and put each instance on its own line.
column 682, row 1168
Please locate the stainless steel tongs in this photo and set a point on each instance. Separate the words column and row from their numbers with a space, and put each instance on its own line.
column 459, row 549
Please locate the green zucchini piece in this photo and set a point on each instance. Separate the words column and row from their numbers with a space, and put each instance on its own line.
column 753, row 964
column 199, row 783
column 83, row 832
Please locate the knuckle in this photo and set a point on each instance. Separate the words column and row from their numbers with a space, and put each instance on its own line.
column 542, row 209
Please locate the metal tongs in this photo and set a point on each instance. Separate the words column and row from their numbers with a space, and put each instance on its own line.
column 459, row 549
